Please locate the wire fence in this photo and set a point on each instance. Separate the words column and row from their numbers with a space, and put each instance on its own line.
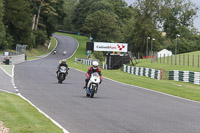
column 191, row 60
column 20, row 49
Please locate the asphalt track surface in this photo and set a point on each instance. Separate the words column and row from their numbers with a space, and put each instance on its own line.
column 117, row 108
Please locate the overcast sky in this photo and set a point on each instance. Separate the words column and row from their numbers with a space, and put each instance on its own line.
column 196, row 21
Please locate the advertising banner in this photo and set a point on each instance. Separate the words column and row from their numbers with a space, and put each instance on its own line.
column 116, row 47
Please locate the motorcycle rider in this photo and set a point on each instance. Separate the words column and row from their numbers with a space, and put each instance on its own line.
column 64, row 52
column 54, row 51
column 62, row 63
column 92, row 69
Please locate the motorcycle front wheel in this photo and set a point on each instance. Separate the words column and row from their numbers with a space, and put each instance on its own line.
column 92, row 91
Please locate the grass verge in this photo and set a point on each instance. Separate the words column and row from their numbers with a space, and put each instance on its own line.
column 20, row 117
column 40, row 50
column 7, row 68
column 181, row 89
column 17, row 114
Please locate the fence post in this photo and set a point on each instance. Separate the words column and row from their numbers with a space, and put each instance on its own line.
column 168, row 59
column 164, row 59
column 198, row 61
column 179, row 59
column 188, row 60
column 183, row 60
column 171, row 59
column 160, row 58
column 193, row 61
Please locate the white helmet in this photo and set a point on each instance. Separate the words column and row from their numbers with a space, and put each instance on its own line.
column 63, row 60
column 95, row 64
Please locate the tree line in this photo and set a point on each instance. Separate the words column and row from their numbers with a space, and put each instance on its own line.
column 32, row 22
column 28, row 22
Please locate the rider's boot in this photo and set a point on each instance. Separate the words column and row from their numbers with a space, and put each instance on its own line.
column 84, row 86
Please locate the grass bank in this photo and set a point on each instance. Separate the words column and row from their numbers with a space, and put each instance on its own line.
column 184, row 62
column 181, row 89
column 21, row 117
column 40, row 50
column 17, row 114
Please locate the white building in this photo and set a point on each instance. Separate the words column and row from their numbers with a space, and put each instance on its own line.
column 164, row 52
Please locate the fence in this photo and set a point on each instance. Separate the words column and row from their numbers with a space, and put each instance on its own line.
column 85, row 61
column 20, row 49
column 185, row 76
column 89, row 62
column 191, row 60
column 148, row 72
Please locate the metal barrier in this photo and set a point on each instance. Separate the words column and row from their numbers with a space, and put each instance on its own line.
column 185, row 76
column 14, row 59
column 141, row 71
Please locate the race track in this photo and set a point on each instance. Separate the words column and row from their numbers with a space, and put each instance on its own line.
column 117, row 108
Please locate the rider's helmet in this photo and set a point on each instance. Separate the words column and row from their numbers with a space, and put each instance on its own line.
column 95, row 65
column 64, row 61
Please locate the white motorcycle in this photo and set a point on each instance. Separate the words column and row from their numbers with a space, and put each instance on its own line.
column 92, row 85
column 54, row 51
column 64, row 53
column 62, row 74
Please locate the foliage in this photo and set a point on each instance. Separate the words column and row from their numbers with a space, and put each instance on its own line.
column 2, row 28
column 99, row 55
column 149, row 16
column 104, row 20
column 48, row 14
column 40, row 37
column 18, row 19
column 177, row 13
column 102, row 25
column 68, row 8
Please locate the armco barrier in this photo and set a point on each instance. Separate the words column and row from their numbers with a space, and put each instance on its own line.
column 185, row 76
column 141, row 71
column 85, row 61
column 89, row 62
column 14, row 59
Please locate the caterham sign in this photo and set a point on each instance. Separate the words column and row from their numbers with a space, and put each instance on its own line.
column 116, row 47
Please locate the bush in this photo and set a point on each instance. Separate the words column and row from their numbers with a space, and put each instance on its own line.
column 99, row 56
column 40, row 37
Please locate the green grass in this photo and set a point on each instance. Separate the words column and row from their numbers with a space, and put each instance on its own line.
column 40, row 50
column 181, row 89
column 7, row 68
column 168, row 66
column 20, row 117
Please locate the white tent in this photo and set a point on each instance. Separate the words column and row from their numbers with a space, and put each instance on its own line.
column 164, row 52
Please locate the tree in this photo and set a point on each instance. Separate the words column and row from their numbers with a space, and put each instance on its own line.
column 47, row 14
column 87, row 7
column 121, row 9
column 69, row 7
column 2, row 28
column 103, row 26
column 18, row 20
column 177, row 13
column 144, row 23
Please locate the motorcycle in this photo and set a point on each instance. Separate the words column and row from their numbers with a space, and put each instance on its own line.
column 54, row 51
column 92, row 85
column 62, row 74
column 64, row 53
